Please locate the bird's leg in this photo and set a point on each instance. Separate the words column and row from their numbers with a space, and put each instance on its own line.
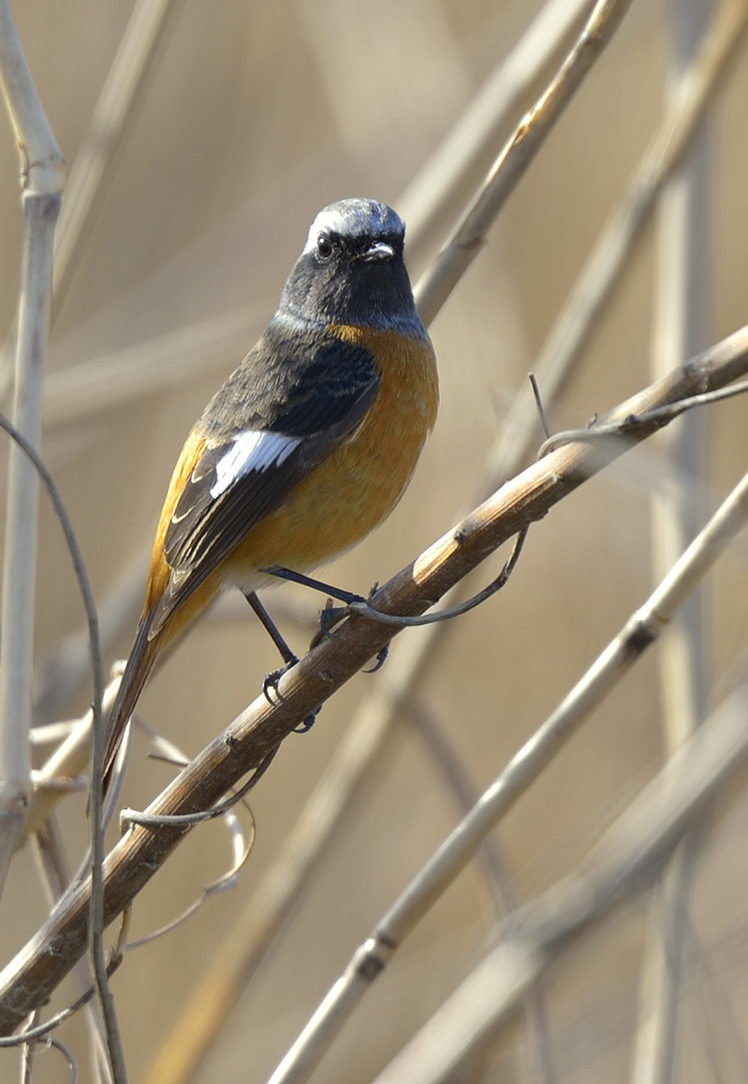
column 289, row 658
column 346, row 597
column 331, row 615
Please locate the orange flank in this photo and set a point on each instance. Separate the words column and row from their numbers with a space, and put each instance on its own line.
column 359, row 484
column 264, row 497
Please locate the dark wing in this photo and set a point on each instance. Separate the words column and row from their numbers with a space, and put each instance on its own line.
column 256, row 454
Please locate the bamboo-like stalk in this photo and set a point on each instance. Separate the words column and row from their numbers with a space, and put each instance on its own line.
column 610, row 254
column 254, row 736
column 110, row 123
column 620, row 865
column 446, row 753
column 683, row 299
column 54, row 874
column 41, row 185
column 266, row 912
column 469, row 235
column 446, row 177
column 270, row 904
column 641, row 630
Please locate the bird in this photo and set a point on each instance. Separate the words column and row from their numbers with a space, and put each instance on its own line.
column 307, row 446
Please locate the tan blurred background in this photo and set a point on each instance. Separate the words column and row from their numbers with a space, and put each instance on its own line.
column 254, row 117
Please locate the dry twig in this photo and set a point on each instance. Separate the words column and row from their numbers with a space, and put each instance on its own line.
column 257, row 732
column 682, row 326
column 41, row 185
column 642, row 629
column 623, row 862
column 469, row 235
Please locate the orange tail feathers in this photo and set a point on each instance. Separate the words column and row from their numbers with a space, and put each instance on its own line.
column 140, row 662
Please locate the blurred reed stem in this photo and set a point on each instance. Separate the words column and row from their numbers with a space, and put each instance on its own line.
column 683, row 324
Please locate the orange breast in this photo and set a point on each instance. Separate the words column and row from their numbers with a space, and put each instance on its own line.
column 339, row 502
column 353, row 490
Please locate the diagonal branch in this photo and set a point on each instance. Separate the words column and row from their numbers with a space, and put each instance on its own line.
column 30, row 979
column 641, row 630
column 111, row 121
column 468, row 148
column 246, row 944
column 531, row 133
column 624, row 861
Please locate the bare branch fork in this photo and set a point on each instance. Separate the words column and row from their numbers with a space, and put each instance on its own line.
column 247, row 742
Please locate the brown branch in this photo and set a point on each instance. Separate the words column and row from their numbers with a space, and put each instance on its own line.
column 29, row 980
column 533, row 938
column 469, row 235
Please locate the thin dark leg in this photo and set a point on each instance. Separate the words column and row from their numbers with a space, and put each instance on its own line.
column 289, row 658
column 317, row 585
column 271, row 628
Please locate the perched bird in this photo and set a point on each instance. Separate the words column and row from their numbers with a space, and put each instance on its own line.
column 308, row 445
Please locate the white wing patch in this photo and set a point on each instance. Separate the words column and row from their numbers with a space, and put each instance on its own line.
column 252, row 450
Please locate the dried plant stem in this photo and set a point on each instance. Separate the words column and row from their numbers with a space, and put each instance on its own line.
column 602, row 271
column 49, row 852
column 94, row 928
column 109, row 125
column 470, row 233
column 683, row 301
column 469, row 147
column 642, row 629
column 446, row 754
column 268, row 908
column 362, row 743
column 41, row 183
column 256, row 733
column 623, row 861
column 19, row 564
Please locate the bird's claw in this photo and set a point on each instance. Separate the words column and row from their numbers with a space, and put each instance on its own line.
column 380, row 660
column 270, row 684
column 271, row 680
column 331, row 616
column 307, row 724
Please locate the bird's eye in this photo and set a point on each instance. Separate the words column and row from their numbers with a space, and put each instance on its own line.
column 324, row 246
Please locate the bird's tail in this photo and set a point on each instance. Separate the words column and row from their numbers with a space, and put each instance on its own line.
column 139, row 665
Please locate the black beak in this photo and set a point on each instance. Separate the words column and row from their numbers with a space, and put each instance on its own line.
column 380, row 250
